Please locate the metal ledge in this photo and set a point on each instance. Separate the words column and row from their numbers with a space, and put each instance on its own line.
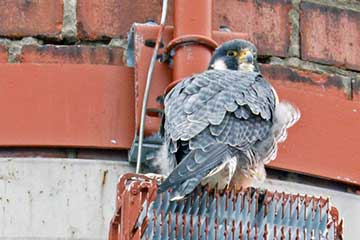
column 66, row 105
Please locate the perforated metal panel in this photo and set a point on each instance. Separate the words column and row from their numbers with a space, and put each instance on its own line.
column 250, row 214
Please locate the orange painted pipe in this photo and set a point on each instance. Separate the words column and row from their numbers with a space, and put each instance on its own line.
column 192, row 18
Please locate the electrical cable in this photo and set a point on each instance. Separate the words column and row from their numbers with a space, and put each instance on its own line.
column 148, row 84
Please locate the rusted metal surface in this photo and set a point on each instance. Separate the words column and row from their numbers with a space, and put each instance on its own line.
column 248, row 214
column 66, row 105
column 191, row 39
column 140, row 55
column 182, row 45
column 324, row 142
column 132, row 191
column 161, row 74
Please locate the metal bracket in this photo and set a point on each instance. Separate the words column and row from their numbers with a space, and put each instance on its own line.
column 192, row 39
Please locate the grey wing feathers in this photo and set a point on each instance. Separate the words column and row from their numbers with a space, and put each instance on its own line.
column 196, row 165
column 213, row 112
column 217, row 100
column 285, row 116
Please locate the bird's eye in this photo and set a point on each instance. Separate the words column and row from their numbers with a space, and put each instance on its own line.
column 232, row 53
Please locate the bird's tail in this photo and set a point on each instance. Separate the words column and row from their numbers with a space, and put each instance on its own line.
column 286, row 115
column 192, row 169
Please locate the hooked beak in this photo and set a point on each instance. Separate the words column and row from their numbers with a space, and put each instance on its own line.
column 246, row 56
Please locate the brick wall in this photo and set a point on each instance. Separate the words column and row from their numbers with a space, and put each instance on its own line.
column 320, row 36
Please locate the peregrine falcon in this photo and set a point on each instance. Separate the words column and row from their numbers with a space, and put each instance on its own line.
column 221, row 126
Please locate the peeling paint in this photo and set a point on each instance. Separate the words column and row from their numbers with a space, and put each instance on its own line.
column 49, row 201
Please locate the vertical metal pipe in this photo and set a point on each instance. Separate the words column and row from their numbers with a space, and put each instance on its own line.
column 192, row 17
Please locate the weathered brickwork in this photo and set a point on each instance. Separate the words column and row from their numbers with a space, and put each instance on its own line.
column 75, row 54
column 270, row 32
column 3, row 54
column 113, row 18
column 21, row 18
column 314, row 39
column 330, row 35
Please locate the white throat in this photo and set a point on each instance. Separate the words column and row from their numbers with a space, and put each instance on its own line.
column 219, row 65
column 246, row 67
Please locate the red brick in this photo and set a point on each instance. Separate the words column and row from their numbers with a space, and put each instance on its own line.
column 113, row 18
column 267, row 22
column 330, row 35
column 31, row 17
column 77, row 54
column 3, row 54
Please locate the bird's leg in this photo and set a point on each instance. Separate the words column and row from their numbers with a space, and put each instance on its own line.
column 240, row 181
column 244, row 178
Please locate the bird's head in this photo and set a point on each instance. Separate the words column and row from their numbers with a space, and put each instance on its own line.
column 238, row 55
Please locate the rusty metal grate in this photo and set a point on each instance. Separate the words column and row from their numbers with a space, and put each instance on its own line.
column 250, row 214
